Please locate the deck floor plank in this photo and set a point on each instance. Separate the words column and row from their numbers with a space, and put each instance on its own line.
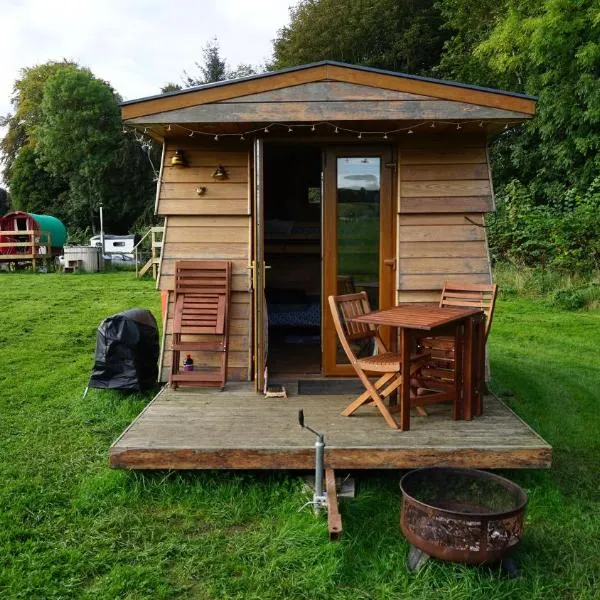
column 238, row 429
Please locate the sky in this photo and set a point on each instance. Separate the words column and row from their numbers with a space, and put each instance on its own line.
column 135, row 45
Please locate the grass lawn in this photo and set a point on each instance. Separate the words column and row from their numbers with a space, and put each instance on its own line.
column 70, row 527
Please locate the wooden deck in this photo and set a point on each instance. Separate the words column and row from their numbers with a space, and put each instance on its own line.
column 238, row 429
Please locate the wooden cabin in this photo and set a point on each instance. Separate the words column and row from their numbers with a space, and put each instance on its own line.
column 317, row 180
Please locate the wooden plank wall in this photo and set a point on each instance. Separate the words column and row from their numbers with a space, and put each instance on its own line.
column 444, row 189
column 214, row 225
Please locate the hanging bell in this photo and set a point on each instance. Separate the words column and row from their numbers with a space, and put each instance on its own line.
column 179, row 159
column 220, row 173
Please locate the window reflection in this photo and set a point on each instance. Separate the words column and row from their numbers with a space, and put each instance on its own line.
column 358, row 208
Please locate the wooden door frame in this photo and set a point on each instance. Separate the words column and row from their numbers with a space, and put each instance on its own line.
column 387, row 245
column 258, row 264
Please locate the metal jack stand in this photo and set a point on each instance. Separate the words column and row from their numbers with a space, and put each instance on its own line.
column 323, row 498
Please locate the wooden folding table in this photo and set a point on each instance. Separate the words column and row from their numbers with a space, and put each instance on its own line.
column 466, row 325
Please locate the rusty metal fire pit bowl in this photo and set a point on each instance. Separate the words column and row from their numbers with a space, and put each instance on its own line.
column 461, row 515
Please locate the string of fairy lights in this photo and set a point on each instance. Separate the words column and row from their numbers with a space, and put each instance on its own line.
column 334, row 128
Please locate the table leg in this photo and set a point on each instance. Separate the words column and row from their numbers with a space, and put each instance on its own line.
column 480, row 362
column 457, row 405
column 393, row 397
column 405, row 348
column 468, row 370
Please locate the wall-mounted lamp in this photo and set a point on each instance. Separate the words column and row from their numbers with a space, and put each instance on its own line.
column 220, row 173
column 179, row 159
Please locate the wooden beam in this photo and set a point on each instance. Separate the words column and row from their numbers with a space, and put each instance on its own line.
column 334, row 518
column 268, row 112
column 437, row 89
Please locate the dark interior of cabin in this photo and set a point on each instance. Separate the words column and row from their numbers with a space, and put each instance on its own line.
column 292, row 211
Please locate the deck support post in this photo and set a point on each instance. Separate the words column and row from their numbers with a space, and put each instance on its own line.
column 334, row 518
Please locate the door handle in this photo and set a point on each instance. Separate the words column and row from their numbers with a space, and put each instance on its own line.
column 390, row 262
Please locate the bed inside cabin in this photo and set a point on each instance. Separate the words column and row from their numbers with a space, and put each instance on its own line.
column 292, row 237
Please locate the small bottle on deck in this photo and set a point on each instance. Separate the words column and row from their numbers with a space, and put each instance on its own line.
column 188, row 363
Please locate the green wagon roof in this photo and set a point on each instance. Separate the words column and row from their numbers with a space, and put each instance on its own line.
column 53, row 226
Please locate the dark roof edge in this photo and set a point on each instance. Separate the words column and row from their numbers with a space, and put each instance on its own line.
column 335, row 64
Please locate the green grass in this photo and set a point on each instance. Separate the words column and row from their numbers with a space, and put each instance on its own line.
column 70, row 527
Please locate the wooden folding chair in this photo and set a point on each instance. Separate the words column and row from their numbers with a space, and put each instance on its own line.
column 439, row 374
column 201, row 320
column 383, row 363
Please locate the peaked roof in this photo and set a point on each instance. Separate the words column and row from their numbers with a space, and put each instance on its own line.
column 329, row 71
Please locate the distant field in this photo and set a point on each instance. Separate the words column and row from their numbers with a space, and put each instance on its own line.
column 70, row 527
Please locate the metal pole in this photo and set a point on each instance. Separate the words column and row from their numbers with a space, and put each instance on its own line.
column 102, row 230
column 319, row 466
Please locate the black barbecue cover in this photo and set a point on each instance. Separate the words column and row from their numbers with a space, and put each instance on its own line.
column 126, row 351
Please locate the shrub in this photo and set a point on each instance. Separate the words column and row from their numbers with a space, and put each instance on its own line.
column 562, row 236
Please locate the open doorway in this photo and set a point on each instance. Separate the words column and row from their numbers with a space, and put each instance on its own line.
column 292, row 246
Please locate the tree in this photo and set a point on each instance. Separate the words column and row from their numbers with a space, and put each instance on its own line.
column 468, row 23
column 547, row 48
column 401, row 35
column 81, row 141
column 551, row 49
column 170, row 87
column 27, row 96
column 4, row 202
column 212, row 69
column 34, row 189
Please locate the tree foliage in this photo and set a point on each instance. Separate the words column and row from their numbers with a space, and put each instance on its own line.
column 550, row 49
column 72, row 154
column 401, row 35
column 34, row 189
column 213, row 68
column 28, row 92
column 4, row 201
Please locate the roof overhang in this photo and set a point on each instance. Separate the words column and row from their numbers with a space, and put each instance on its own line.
column 329, row 91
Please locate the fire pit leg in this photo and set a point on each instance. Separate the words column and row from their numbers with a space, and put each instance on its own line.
column 416, row 559
column 509, row 567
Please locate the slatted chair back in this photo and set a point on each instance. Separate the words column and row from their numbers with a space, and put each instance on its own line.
column 202, row 291
column 345, row 307
column 471, row 295
column 202, row 295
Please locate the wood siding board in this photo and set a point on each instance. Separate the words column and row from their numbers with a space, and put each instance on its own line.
column 417, row 220
column 203, row 206
column 210, row 250
column 205, row 157
column 188, row 236
column 449, row 233
column 462, row 249
column 428, row 189
column 181, row 190
column 432, row 296
column 209, row 221
column 446, row 204
column 261, row 112
column 435, row 155
column 203, row 174
column 446, row 172
column 435, row 281
column 448, row 266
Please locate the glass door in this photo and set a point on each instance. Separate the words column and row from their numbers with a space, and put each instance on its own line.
column 358, row 239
